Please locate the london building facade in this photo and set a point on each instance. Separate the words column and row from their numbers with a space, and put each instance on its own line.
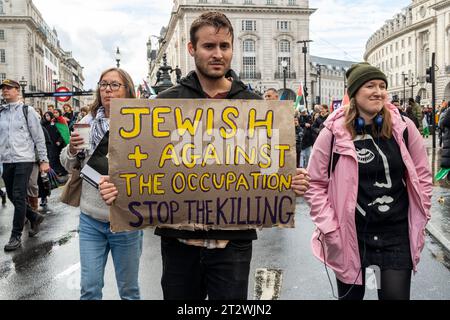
column 30, row 50
column 328, row 82
column 402, row 48
column 266, row 34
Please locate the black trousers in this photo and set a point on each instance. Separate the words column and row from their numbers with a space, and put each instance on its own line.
column 194, row 273
column 298, row 153
column 16, row 176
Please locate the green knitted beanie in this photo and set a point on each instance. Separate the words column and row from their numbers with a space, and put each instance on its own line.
column 359, row 74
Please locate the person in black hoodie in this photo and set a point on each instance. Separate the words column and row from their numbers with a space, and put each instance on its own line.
column 318, row 123
column 305, row 121
column 214, row 263
column 57, row 143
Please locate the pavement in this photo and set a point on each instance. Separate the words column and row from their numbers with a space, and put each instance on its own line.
column 439, row 225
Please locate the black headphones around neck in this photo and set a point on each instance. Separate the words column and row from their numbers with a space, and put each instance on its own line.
column 360, row 123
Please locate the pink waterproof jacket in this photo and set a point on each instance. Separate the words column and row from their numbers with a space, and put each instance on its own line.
column 333, row 200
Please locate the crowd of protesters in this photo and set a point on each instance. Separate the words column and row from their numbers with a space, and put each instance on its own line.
column 30, row 164
column 215, row 264
column 308, row 123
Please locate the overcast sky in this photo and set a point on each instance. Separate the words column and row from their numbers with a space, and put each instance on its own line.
column 93, row 29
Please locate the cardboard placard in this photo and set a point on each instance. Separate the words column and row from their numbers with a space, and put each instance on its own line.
column 202, row 164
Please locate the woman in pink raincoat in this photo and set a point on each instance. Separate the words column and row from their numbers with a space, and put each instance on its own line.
column 370, row 190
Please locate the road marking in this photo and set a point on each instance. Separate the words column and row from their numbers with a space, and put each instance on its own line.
column 438, row 235
column 268, row 284
column 68, row 271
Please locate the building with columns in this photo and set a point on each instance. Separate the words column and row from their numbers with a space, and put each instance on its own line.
column 266, row 34
column 402, row 48
column 30, row 50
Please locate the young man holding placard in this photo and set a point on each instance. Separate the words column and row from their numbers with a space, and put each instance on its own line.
column 208, row 263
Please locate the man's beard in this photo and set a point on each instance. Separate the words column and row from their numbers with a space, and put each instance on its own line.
column 204, row 72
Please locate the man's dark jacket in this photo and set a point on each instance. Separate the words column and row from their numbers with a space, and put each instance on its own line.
column 190, row 88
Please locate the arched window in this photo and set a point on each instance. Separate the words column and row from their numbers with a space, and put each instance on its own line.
column 249, row 46
column 426, row 57
column 284, row 46
column 284, row 54
column 1, row 7
column 249, row 59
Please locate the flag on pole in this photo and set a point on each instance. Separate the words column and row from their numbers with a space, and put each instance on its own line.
column 300, row 100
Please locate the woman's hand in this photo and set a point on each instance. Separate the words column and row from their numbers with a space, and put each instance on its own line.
column 108, row 190
column 75, row 141
column 300, row 183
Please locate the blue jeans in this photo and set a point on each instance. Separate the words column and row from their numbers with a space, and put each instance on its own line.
column 304, row 157
column 96, row 240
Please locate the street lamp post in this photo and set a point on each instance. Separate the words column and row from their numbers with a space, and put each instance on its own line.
column 412, row 85
column 284, row 64
column 305, row 52
column 23, row 83
column 55, row 86
column 118, row 56
column 405, row 78
column 319, row 73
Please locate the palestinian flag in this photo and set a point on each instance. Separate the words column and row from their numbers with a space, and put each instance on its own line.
column 300, row 101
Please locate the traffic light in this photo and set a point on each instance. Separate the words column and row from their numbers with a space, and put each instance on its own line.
column 430, row 75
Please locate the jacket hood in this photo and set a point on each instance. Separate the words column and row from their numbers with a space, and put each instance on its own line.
column 191, row 81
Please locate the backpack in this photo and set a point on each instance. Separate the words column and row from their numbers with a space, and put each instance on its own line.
column 335, row 156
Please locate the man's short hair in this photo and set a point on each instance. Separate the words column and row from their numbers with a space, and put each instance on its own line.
column 214, row 19
column 273, row 90
column 271, row 94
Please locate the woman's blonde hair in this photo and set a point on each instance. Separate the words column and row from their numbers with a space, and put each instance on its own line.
column 351, row 113
column 127, row 81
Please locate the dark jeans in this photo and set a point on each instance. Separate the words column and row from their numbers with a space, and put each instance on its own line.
column 16, row 176
column 194, row 273
column 298, row 153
